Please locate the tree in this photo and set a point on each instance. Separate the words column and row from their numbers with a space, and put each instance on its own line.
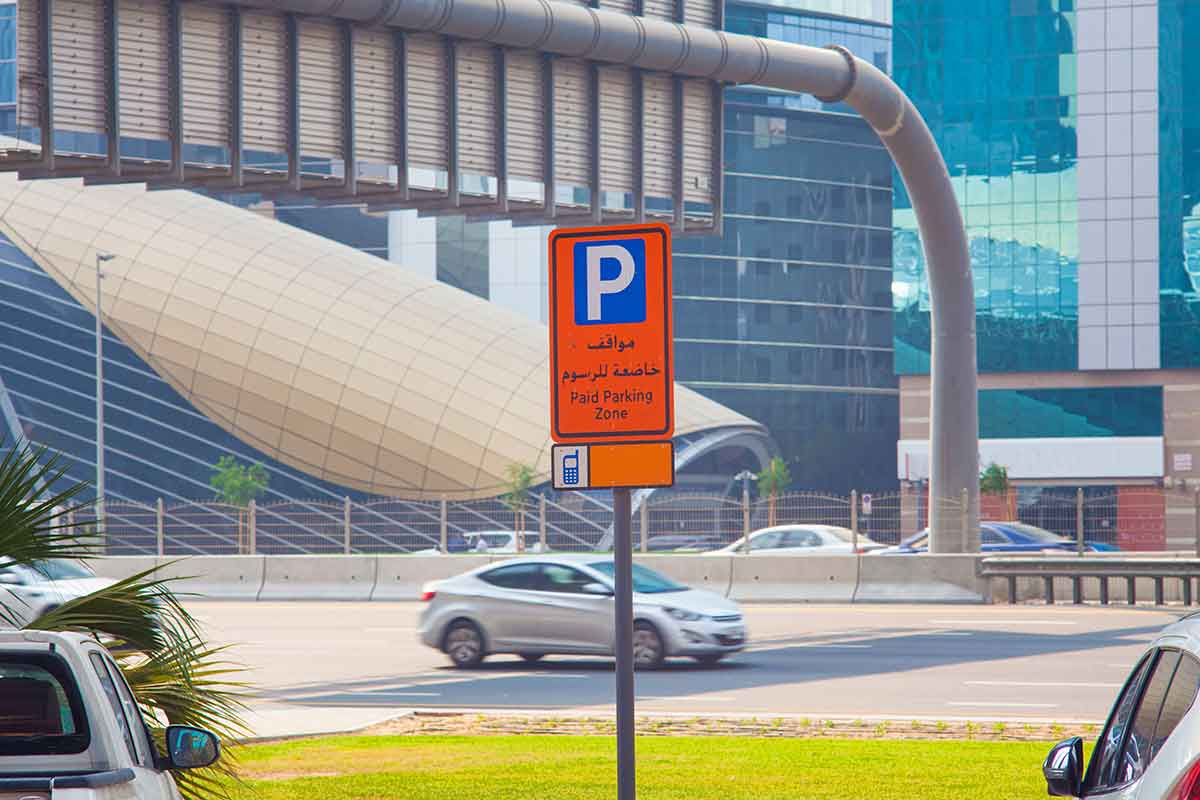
column 772, row 482
column 176, row 676
column 520, row 480
column 237, row 484
column 994, row 481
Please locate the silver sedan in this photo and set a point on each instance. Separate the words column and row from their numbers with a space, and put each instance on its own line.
column 543, row 605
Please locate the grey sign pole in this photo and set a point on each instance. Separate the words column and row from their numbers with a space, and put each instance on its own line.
column 623, row 613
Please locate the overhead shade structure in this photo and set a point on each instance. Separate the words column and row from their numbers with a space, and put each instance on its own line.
column 321, row 356
column 298, row 98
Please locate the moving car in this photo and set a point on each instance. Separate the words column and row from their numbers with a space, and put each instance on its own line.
column 564, row 605
column 1004, row 537
column 47, row 584
column 70, row 727
column 502, row 542
column 1150, row 745
column 797, row 540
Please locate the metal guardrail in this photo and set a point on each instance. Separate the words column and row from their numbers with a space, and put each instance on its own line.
column 1102, row 569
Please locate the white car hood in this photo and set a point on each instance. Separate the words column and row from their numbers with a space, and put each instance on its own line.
column 73, row 588
column 697, row 600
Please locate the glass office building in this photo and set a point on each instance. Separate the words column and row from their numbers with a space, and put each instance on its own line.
column 1069, row 130
column 787, row 317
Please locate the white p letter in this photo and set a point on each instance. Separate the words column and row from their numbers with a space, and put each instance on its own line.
column 596, row 286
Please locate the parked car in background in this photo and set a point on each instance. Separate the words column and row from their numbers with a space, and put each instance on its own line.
column 46, row 585
column 71, row 728
column 501, row 542
column 1005, row 537
column 682, row 543
column 802, row 540
column 1150, row 745
column 564, row 604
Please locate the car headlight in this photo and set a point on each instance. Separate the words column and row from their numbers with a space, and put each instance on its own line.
column 686, row 616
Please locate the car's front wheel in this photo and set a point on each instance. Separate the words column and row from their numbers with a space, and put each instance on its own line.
column 464, row 644
column 648, row 649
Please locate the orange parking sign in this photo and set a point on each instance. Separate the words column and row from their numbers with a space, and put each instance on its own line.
column 611, row 358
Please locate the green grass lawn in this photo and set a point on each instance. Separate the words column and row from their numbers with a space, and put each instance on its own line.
column 669, row 768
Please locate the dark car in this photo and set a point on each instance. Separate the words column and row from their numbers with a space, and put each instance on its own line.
column 683, row 542
column 1005, row 537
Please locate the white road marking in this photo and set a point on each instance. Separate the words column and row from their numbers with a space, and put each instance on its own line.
column 1017, row 622
column 1046, row 684
column 1003, row 705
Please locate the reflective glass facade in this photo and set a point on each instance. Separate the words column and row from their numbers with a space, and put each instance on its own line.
column 1179, row 182
column 995, row 80
column 1058, row 413
column 787, row 318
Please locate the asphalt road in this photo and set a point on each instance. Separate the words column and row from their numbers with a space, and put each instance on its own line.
column 930, row 662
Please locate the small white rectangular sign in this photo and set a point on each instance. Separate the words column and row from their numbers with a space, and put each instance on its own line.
column 571, row 467
column 1182, row 462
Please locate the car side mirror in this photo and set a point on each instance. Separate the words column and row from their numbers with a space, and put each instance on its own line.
column 1064, row 768
column 189, row 748
column 597, row 588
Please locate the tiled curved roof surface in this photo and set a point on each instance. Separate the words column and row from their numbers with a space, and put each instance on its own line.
column 333, row 361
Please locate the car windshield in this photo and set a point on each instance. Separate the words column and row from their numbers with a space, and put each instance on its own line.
column 62, row 570
column 492, row 539
column 645, row 581
column 1035, row 533
column 40, row 709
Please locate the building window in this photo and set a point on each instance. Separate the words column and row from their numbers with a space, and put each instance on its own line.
column 8, row 54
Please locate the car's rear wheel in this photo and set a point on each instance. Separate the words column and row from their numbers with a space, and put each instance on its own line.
column 464, row 644
column 709, row 658
column 648, row 649
column 532, row 657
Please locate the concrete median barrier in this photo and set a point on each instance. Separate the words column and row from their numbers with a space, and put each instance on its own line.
column 400, row 578
column 943, row 578
column 216, row 577
column 121, row 567
column 783, row 579
column 319, row 578
column 698, row 571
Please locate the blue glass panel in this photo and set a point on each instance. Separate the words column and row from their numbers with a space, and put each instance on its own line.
column 1058, row 413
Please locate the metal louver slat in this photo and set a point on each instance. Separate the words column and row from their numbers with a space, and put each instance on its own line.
column 659, row 116
column 142, row 53
column 526, row 123
column 425, row 56
column 476, row 65
column 697, row 140
column 206, row 75
column 571, row 122
column 623, row 6
column 79, row 69
column 616, row 130
column 700, row 12
column 661, row 9
column 29, row 66
column 374, row 96
column 265, row 83
column 322, row 127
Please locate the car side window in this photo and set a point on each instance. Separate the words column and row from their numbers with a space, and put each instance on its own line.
column 801, row 539
column 513, row 576
column 767, row 541
column 989, row 536
column 1179, row 700
column 1106, row 757
column 114, row 700
column 1136, row 754
column 137, row 724
column 560, row 578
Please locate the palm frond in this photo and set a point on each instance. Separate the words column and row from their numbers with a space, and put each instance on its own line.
column 35, row 521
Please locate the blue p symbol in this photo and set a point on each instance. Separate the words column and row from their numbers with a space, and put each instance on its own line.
column 610, row 282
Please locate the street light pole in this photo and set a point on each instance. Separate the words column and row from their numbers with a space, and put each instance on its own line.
column 100, row 520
